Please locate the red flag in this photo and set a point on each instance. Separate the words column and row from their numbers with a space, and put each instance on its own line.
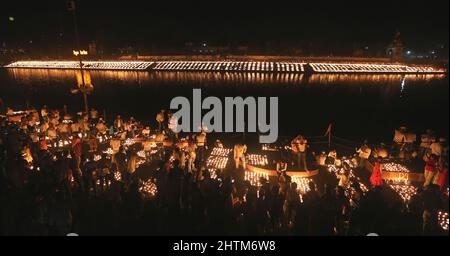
column 328, row 130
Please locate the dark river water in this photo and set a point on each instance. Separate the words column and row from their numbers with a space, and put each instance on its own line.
column 359, row 106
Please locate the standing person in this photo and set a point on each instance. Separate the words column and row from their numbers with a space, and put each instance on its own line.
column 201, row 145
column 77, row 150
column 101, row 127
column 331, row 158
column 118, row 123
column 431, row 167
column 436, row 148
column 364, row 153
column 281, row 167
column 300, row 144
column 239, row 155
column 375, row 178
column 92, row 144
column 160, row 119
column 119, row 159
column 43, row 144
column 172, row 124
column 191, row 156
column 344, row 180
column 44, row 113
column 132, row 161
column 75, row 127
column 440, row 179
column 425, row 142
column 342, row 210
column 93, row 114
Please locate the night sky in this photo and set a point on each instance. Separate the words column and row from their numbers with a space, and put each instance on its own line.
column 255, row 23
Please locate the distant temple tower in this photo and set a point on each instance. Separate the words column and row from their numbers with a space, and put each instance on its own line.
column 395, row 49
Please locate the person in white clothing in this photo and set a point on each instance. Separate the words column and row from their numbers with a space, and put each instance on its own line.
column 364, row 153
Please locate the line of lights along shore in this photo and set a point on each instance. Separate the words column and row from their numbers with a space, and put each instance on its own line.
column 229, row 66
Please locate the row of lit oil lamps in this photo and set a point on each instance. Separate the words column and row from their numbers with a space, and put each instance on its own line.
column 225, row 65
column 230, row 66
column 358, row 68
column 105, row 65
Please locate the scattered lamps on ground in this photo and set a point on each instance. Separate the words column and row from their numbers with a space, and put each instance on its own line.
column 141, row 154
column 302, row 184
column 217, row 162
column 254, row 177
column 148, row 188
column 128, row 142
column 218, row 158
column 109, row 151
column 404, row 191
column 257, row 160
column 443, row 220
column 394, row 167
column 224, row 152
column 401, row 172
column 117, row 176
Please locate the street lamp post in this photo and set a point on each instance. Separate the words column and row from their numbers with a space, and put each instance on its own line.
column 79, row 53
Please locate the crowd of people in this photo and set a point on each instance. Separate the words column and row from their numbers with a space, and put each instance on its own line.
column 63, row 174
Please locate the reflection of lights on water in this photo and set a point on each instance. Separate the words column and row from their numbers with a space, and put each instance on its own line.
column 28, row 76
column 402, row 86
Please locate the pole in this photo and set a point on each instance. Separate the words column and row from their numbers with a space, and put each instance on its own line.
column 329, row 139
column 80, row 58
column 330, row 128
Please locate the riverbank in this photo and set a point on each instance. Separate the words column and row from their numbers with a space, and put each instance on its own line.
column 298, row 66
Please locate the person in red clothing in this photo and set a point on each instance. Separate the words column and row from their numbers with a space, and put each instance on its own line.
column 43, row 144
column 77, row 149
column 443, row 175
column 431, row 168
column 375, row 178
